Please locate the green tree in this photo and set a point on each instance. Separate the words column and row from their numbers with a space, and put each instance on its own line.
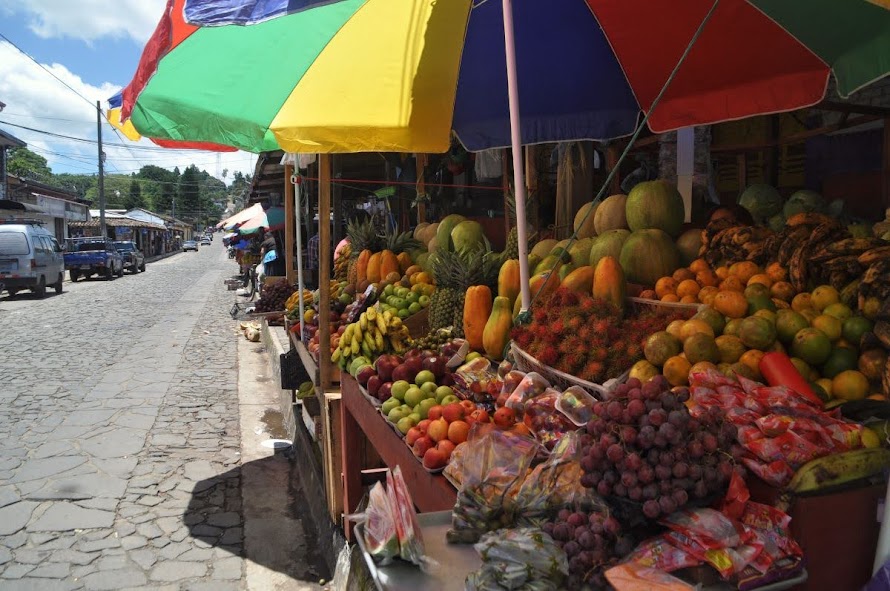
column 134, row 197
column 189, row 202
column 24, row 163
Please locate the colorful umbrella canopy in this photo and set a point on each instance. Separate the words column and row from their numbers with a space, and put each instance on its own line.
column 242, row 216
column 270, row 219
column 373, row 75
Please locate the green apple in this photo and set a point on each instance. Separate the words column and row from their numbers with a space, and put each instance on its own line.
column 413, row 396
column 424, row 301
column 429, row 388
column 414, row 416
column 403, row 313
column 414, row 308
column 423, row 409
column 388, row 290
column 396, row 414
column 404, row 424
column 399, row 389
column 412, row 297
column 424, row 376
column 389, row 404
column 442, row 392
column 402, row 291
column 449, row 399
column 472, row 355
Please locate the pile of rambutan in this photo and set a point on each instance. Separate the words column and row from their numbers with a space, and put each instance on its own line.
column 586, row 337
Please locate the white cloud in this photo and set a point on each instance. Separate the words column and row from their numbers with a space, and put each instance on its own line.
column 88, row 20
column 37, row 100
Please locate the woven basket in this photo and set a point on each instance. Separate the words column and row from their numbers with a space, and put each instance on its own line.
column 523, row 361
column 640, row 304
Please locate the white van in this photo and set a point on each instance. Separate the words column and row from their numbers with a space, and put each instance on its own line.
column 30, row 257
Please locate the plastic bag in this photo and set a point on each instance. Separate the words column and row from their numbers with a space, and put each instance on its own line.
column 493, row 465
column 553, row 485
column 410, row 537
column 340, row 582
column 542, row 418
column 708, row 527
column 659, row 553
column 524, row 559
column 381, row 538
column 477, row 380
column 576, row 404
column 531, row 386
column 636, row 577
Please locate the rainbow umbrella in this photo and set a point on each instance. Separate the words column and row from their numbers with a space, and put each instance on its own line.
column 242, row 216
column 270, row 219
column 383, row 75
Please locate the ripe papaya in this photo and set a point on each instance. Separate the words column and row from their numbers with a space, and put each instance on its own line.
column 508, row 280
column 609, row 282
column 496, row 334
column 477, row 310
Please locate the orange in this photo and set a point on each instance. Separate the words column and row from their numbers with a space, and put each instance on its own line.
column 699, row 265
column 752, row 358
column 732, row 283
column 744, row 270
column 802, row 301
column 731, row 303
column 665, row 285
column 688, row 287
column 675, row 327
column 848, row 385
column 676, row 370
column 688, row 299
column 782, row 290
column 823, row 296
column 707, row 278
column 781, row 304
column 422, row 277
column 682, row 274
column 670, row 297
column 695, row 326
column 707, row 294
column 649, row 294
column 760, row 278
column 702, row 366
column 777, row 272
column 722, row 272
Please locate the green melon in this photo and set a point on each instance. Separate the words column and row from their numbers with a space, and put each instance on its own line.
column 803, row 201
column 580, row 252
column 611, row 214
column 607, row 244
column 584, row 224
column 689, row 245
column 468, row 236
column 762, row 201
column 648, row 255
column 443, row 232
column 655, row 205
column 543, row 247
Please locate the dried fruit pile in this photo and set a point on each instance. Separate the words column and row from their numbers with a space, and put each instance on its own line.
column 585, row 337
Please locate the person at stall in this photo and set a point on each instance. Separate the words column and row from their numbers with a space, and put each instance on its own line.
column 269, row 249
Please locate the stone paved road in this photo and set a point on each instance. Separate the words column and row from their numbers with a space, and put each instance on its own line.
column 118, row 408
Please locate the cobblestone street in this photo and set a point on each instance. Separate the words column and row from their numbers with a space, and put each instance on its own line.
column 119, row 433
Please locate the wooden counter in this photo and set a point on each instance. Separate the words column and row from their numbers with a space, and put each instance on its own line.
column 361, row 420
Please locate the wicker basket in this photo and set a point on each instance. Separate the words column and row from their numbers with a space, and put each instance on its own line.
column 523, row 361
column 640, row 304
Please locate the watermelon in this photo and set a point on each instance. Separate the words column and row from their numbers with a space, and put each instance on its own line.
column 648, row 255
column 655, row 205
column 762, row 200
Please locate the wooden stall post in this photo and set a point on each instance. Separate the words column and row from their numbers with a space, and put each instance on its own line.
column 324, row 267
column 885, row 164
column 289, row 223
column 420, row 166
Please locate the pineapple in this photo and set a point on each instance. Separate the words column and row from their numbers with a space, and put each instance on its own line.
column 454, row 274
column 399, row 243
column 511, row 251
column 362, row 236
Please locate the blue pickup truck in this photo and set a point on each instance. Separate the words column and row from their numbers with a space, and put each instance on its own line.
column 85, row 257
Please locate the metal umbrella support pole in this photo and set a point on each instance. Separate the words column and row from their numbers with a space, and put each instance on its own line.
column 295, row 179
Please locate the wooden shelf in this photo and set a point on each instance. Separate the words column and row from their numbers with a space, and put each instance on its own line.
column 361, row 419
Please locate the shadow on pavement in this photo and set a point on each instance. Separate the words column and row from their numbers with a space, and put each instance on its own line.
column 256, row 511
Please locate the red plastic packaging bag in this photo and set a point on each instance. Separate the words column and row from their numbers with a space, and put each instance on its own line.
column 410, row 536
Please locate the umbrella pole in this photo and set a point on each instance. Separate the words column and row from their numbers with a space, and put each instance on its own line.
column 516, row 143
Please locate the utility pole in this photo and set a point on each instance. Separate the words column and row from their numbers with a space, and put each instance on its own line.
column 101, row 173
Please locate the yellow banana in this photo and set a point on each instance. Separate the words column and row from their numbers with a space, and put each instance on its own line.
column 366, row 351
column 369, row 340
column 837, row 469
column 387, row 316
column 347, row 334
column 335, row 356
column 358, row 333
column 372, row 314
column 378, row 340
column 381, row 323
column 354, row 346
column 363, row 322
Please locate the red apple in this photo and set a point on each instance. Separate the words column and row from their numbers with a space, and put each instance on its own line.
column 504, row 417
column 469, row 406
column 458, row 431
column 412, row 435
column 385, row 391
column 434, row 459
column 438, row 430
column 385, row 365
column 421, row 444
column 413, row 353
column 402, row 372
column 434, row 413
column 373, row 385
column 364, row 374
column 453, row 412
column 414, row 365
column 446, row 447
column 435, row 364
column 480, row 415
column 423, row 425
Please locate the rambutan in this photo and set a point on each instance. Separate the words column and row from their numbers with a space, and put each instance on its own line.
column 547, row 355
column 569, row 297
column 574, row 323
column 601, row 327
column 586, row 334
column 593, row 371
column 587, row 305
column 558, row 327
column 574, row 362
column 539, row 315
column 599, row 354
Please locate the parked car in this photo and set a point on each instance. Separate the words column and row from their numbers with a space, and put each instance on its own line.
column 189, row 245
column 205, row 241
column 30, row 257
column 85, row 257
column 134, row 260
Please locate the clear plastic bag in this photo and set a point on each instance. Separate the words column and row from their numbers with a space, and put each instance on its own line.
column 409, row 534
column 381, row 538
column 576, row 404
column 493, row 465
column 531, row 386
column 524, row 559
column 636, row 577
column 542, row 418
column 340, row 582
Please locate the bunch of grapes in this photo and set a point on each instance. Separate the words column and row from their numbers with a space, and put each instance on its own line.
column 275, row 296
column 647, row 448
column 592, row 543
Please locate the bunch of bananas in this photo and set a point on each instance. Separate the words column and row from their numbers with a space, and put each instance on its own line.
column 726, row 241
column 374, row 334
column 840, row 468
column 341, row 263
column 293, row 302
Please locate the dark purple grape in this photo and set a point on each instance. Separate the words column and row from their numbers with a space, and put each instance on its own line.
column 667, row 458
column 548, row 528
column 628, row 435
column 701, row 490
column 588, row 464
column 660, row 441
column 636, row 409
column 563, row 514
column 561, row 532
column 635, row 493
column 662, row 472
column 681, row 470
column 614, row 410
column 604, row 488
column 580, row 530
column 615, row 453
column 695, row 471
column 610, row 477
column 619, row 490
column 633, row 461
column 586, row 541
column 571, row 548
column 576, row 519
column 667, row 504
column 633, row 383
column 651, row 509
column 587, row 481
column 680, row 497
column 650, row 491
column 657, row 416
column 709, row 442
column 611, row 525
column 635, row 394
column 682, row 394
column 626, row 417
column 695, row 449
column 645, row 474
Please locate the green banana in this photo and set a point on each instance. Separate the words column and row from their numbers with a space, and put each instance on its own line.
column 840, row 468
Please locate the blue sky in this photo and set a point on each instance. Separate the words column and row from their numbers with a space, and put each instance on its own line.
column 94, row 47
